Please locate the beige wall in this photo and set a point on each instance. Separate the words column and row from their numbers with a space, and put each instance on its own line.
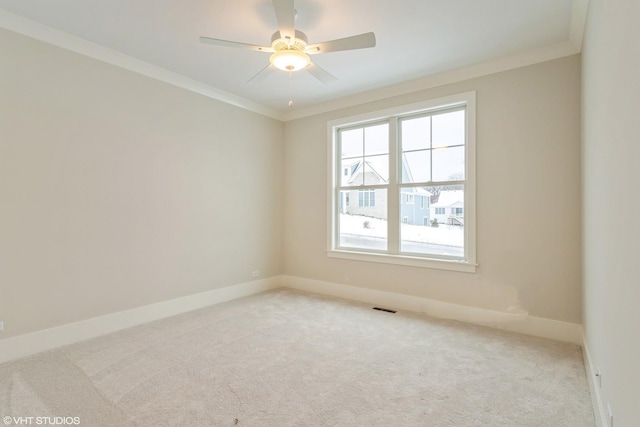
column 118, row 191
column 529, row 221
column 611, row 155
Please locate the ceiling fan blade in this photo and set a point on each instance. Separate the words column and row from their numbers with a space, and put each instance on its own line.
column 285, row 15
column 227, row 43
column 321, row 74
column 262, row 74
column 360, row 41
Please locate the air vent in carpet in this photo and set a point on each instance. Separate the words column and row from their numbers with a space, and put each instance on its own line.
column 384, row 309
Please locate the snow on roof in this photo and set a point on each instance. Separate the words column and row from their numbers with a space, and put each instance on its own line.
column 422, row 192
column 449, row 198
column 356, row 168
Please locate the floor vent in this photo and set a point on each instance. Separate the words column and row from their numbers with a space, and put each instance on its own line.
column 384, row 309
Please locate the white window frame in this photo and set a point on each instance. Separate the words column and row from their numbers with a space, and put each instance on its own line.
column 468, row 264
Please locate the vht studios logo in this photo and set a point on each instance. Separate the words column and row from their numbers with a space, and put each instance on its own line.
column 41, row 421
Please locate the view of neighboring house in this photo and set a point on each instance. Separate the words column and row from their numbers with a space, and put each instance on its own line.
column 414, row 206
column 449, row 209
column 414, row 203
column 365, row 202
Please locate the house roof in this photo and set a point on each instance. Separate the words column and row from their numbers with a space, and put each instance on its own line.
column 356, row 168
column 449, row 198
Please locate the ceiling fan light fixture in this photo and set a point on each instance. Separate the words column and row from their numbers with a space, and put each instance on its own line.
column 290, row 60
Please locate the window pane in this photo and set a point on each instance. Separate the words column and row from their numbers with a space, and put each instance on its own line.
column 416, row 133
column 363, row 225
column 352, row 143
column 351, row 172
column 427, row 188
column 376, row 140
column 416, row 166
column 448, row 129
column 433, row 230
column 376, row 170
column 448, row 164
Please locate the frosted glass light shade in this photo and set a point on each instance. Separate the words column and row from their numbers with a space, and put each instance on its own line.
column 290, row 60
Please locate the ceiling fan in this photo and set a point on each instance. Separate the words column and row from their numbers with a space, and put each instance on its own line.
column 290, row 48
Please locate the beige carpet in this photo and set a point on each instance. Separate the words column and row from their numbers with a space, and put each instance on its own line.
column 287, row 358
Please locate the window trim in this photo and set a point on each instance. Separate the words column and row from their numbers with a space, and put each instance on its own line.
column 467, row 265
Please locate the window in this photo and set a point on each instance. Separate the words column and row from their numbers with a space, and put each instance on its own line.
column 366, row 198
column 409, row 198
column 424, row 150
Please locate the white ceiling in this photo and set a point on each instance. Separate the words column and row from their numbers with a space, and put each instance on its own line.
column 416, row 39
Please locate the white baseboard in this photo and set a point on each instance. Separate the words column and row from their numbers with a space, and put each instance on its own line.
column 594, row 387
column 516, row 322
column 47, row 339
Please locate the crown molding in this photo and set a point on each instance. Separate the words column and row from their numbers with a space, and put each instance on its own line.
column 64, row 40
column 498, row 65
column 547, row 53
column 75, row 44
column 578, row 22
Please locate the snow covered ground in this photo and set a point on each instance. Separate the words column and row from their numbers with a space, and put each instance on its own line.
column 442, row 235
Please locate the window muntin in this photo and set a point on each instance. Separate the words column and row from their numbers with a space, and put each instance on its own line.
column 433, row 146
column 363, row 225
column 443, row 235
column 365, row 155
column 430, row 155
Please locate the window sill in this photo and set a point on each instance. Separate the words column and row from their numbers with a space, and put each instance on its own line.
column 410, row 261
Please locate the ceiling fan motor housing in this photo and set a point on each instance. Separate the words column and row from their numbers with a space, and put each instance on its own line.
column 299, row 42
column 289, row 54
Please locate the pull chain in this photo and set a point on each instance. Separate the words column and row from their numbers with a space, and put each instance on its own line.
column 290, row 90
